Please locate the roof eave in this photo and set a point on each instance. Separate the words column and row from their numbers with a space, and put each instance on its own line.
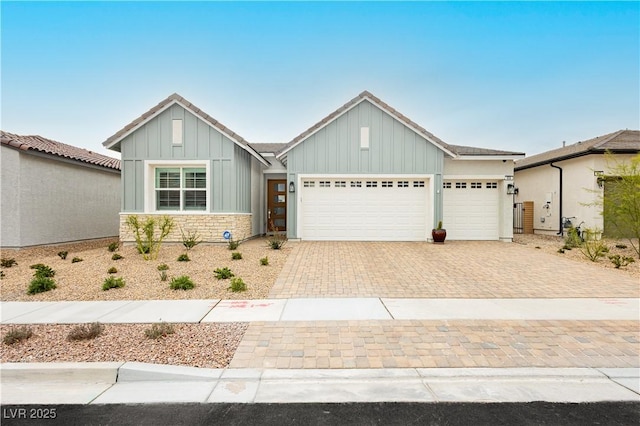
column 486, row 157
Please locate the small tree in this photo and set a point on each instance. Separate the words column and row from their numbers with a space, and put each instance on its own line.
column 620, row 202
column 147, row 242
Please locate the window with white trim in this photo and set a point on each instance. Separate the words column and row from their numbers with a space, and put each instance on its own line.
column 181, row 188
column 403, row 184
column 176, row 134
column 387, row 184
column 476, row 185
column 325, row 184
column 340, row 184
column 356, row 183
column 492, row 185
column 418, row 184
column 446, row 185
column 461, row 185
column 309, row 183
column 372, row 184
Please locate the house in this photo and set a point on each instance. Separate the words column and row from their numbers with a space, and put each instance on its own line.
column 54, row 193
column 567, row 181
column 364, row 172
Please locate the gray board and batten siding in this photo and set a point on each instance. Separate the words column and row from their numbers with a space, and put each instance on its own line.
column 230, row 165
column 394, row 148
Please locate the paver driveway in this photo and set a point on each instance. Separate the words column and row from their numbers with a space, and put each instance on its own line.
column 465, row 269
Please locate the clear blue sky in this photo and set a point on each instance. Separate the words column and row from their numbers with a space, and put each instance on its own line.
column 515, row 76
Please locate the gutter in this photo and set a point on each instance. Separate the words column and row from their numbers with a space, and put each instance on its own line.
column 560, row 231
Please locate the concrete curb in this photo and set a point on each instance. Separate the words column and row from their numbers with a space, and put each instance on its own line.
column 133, row 382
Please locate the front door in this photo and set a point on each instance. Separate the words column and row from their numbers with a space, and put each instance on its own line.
column 277, row 205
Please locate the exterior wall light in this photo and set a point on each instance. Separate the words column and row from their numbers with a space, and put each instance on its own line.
column 292, row 187
column 511, row 189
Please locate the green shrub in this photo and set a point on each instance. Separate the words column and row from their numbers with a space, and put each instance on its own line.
column 620, row 261
column 8, row 262
column 594, row 249
column 159, row 330
column 236, row 255
column 163, row 267
column 183, row 258
column 113, row 246
column 63, row 254
column 237, row 284
column 163, row 275
column 147, row 242
column 85, row 331
column 223, row 273
column 40, row 285
column 233, row 244
column 572, row 240
column 112, row 282
column 76, row 260
column 112, row 270
column 43, row 271
column 264, row 261
column 116, row 256
column 181, row 283
column 17, row 335
column 191, row 239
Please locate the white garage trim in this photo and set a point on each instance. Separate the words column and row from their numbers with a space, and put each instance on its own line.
column 414, row 226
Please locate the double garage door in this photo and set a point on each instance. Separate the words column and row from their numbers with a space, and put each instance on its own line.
column 377, row 209
column 364, row 209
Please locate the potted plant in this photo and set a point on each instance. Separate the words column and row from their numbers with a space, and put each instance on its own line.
column 439, row 234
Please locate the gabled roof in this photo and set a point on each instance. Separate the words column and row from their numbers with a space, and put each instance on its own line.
column 114, row 141
column 622, row 141
column 39, row 144
column 351, row 104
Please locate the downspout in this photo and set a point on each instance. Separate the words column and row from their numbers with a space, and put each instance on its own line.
column 560, row 231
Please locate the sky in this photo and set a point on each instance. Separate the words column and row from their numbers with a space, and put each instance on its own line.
column 515, row 76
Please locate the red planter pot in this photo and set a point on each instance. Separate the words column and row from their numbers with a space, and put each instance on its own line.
column 438, row 235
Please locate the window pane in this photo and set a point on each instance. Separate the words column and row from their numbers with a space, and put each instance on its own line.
column 195, row 200
column 195, row 178
column 168, row 200
column 167, row 178
column 279, row 187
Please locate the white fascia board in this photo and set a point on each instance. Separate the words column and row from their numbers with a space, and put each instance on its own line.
column 142, row 123
column 475, row 176
column 488, row 157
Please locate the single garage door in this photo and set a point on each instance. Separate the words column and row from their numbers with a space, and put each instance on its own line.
column 471, row 210
column 364, row 209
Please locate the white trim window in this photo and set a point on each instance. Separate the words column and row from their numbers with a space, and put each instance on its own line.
column 179, row 187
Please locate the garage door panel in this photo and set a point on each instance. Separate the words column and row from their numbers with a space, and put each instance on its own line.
column 369, row 212
column 471, row 213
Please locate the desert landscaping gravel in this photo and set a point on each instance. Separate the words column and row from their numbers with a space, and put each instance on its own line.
column 198, row 345
column 83, row 280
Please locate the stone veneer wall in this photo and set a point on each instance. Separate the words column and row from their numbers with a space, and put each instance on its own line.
column 209, row 226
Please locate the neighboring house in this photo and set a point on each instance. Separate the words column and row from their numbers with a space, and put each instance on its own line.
column 54, row 192
column 566, row 182
column 364, row 172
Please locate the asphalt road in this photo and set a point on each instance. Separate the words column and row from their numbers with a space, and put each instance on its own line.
column 535, row 413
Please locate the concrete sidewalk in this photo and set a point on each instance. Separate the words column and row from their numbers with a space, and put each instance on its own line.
column 318, row 309
column 577, row 328
column 131, row 383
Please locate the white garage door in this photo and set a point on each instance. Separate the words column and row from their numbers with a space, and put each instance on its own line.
column 364, row 209
column 471, row 210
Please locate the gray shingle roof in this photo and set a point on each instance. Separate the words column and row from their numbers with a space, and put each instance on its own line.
column 268, row 147
column 620, row 141
column 48, row 146
column 113, row 141
column 471, row 150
